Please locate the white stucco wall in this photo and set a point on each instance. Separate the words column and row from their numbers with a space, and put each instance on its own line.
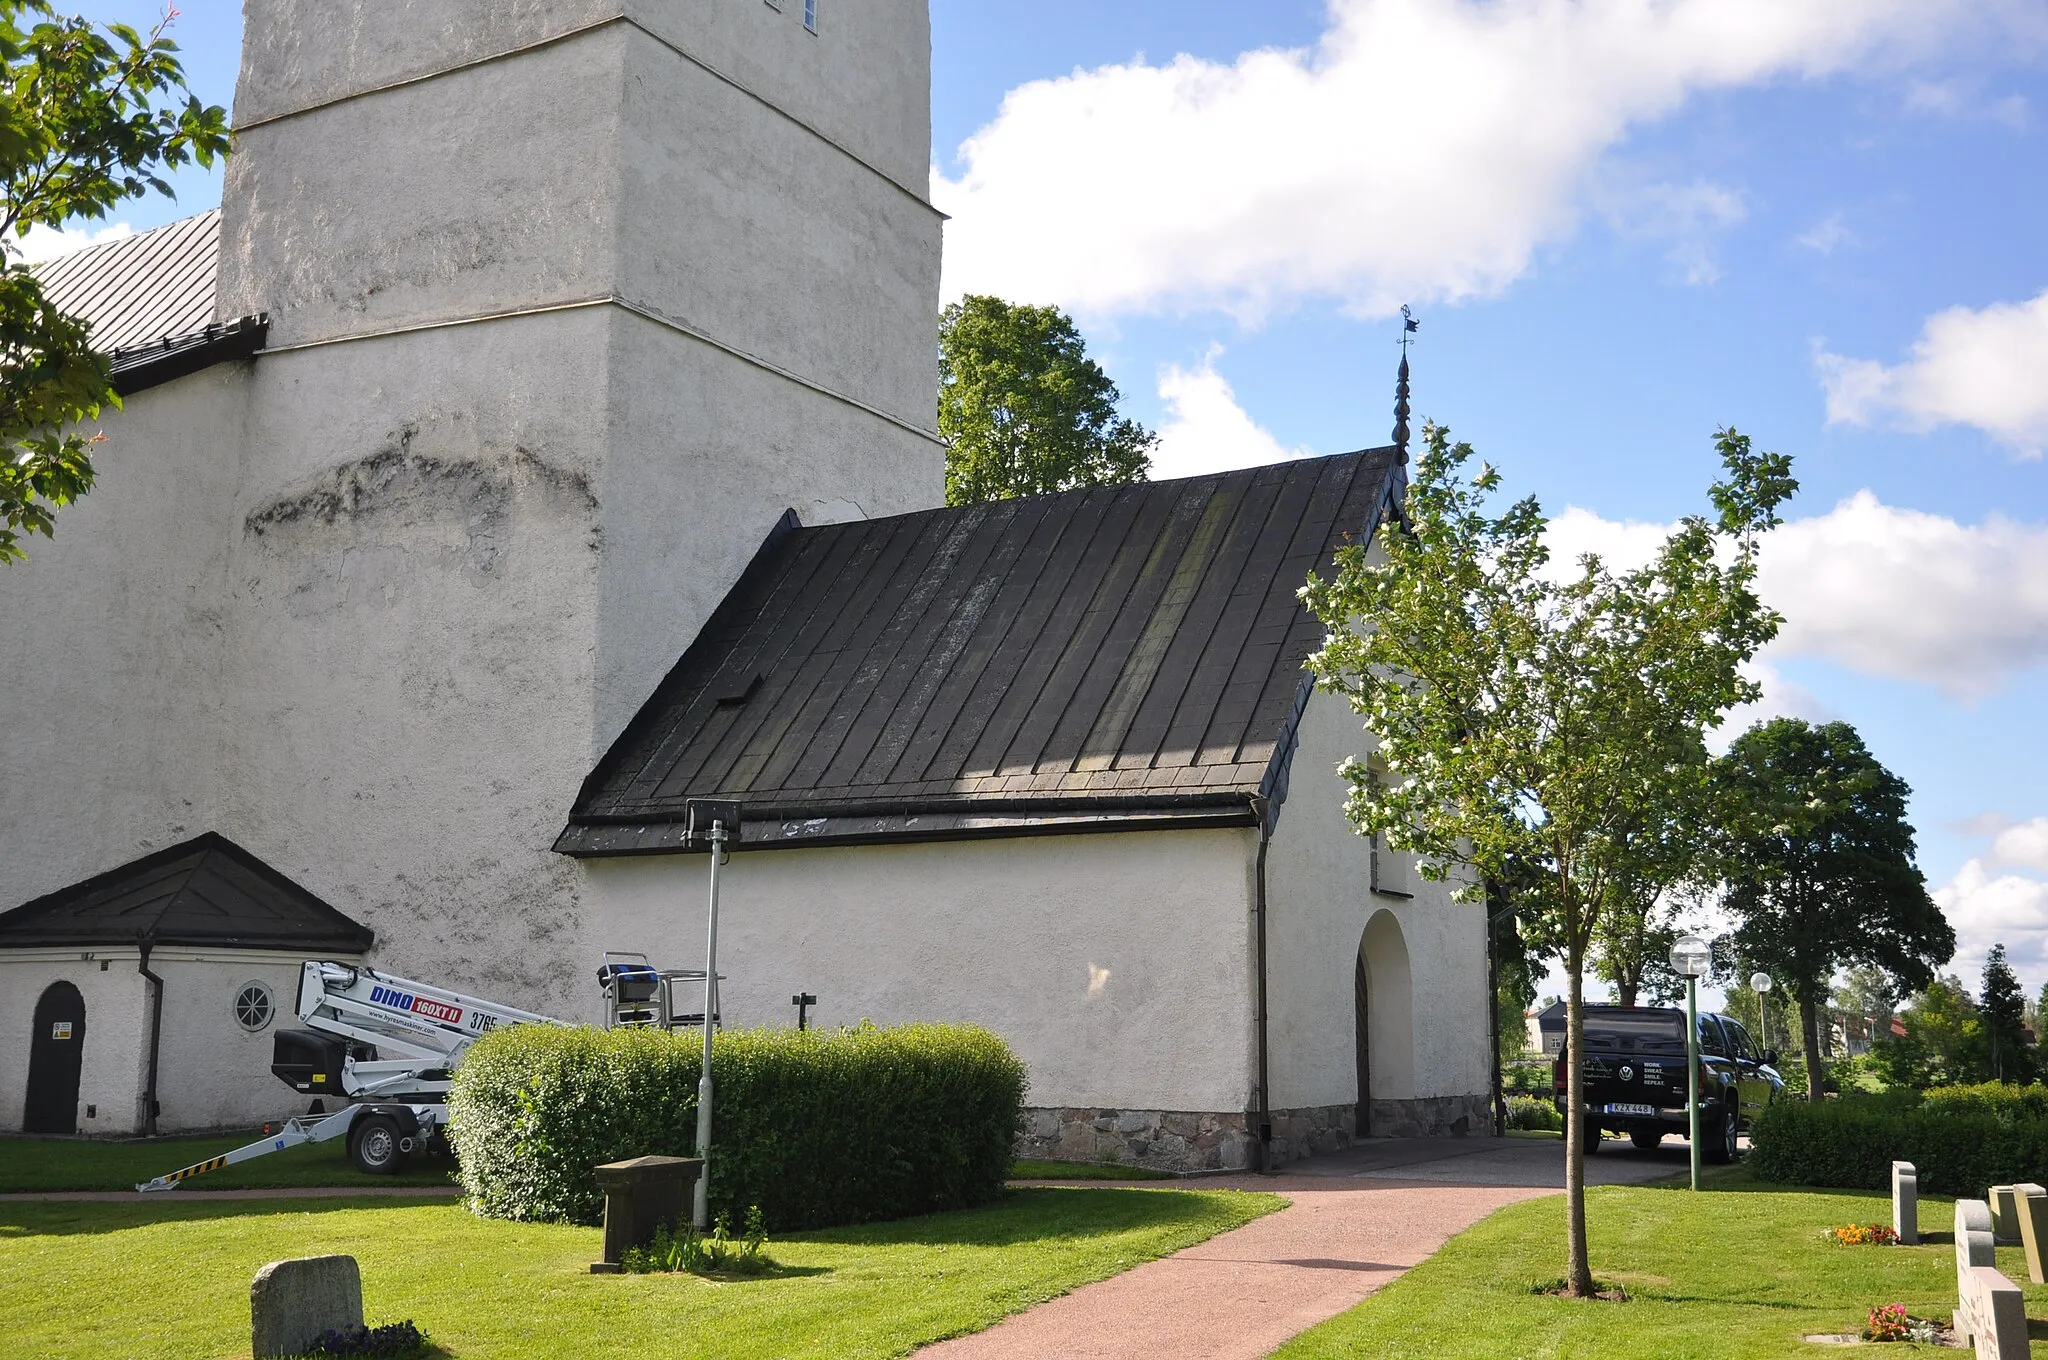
column 1118, row 965
column 1319, row 902
column 211, row 1072
column 116, row 1032
column 372, row 608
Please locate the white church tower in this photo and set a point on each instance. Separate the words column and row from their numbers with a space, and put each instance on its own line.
column 567, row 303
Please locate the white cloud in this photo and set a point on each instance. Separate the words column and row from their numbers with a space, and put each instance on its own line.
column 1911, row 595
column 1962, row 99
column 1205, row 430
column 50, row 243
column 1689, row 216
column 1826, row 236
column 1969, row 367
column 1419, row 149
column 1880, row 589
column 2020, row 845
column 1987, row 909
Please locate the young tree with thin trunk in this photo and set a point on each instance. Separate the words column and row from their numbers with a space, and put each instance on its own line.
column 1528, row 719
column 1817, row 858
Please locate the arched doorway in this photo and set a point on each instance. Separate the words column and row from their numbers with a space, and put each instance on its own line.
column 53, row 1061
column 1383, row 1013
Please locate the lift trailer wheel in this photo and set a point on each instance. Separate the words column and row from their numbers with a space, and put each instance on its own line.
column 376, row 1146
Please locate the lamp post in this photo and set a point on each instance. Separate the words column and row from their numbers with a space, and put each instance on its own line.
column 1689, row 958
column 713, row 823
column 1760, row 983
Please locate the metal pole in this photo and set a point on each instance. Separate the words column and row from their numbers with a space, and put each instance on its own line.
column 700, row 1213
column 1692, row 1072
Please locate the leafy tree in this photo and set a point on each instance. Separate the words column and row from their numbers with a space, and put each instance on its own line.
column 2001, row 1013
column 90, row 118
column 1528, row 719
column 1817, row 858
column 1024, row 410
column 1943, row 1044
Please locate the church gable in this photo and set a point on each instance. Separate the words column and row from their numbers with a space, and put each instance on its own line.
column 207, row 891
column 1118, row 655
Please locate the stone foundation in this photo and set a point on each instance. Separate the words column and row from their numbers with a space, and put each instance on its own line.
column 1165, row 1140
column 1200, row 1140
column 1429, row 1116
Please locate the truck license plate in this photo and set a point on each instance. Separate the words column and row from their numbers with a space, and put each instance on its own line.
column 1631, row 1109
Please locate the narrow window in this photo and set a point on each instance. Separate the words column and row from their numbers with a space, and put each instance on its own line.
column 811, row 15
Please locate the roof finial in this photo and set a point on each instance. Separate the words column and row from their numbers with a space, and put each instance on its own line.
column 1408, row 327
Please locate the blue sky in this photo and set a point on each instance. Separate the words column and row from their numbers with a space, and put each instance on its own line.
column 1623, row 224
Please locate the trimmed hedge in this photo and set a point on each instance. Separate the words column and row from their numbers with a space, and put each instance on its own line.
column 1952, row 1138
column 817, row 1127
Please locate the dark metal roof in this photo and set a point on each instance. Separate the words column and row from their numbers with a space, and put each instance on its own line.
column 1110, row 657
column 206, row 892
column 150, row 301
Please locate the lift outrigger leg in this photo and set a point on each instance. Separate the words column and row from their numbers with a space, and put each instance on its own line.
column 305, row 1129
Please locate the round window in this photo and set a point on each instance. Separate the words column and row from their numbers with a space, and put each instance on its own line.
column 252, row 1006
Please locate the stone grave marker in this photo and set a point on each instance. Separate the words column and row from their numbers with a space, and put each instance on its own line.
column 292, row 1302
column 1992, row 1315
column 2033, row 1207
column 641, row 1195
column 2005, row 1217
column 1906, row 1202
column 1973, row 1238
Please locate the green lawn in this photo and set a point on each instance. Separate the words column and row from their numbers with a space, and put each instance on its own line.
column 96, row 1164
column 99, row 1164
column 164, row 1278
column 1738, row 1270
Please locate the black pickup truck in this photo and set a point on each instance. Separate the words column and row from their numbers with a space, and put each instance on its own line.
column 1635, row 1077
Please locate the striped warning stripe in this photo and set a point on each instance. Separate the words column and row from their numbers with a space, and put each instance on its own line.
column 199, row 1170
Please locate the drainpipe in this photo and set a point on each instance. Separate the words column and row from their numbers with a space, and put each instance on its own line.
column 156, row 1030
column 1265, row 1128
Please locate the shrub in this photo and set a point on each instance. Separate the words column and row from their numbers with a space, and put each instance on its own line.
column 1851, row 1143
column 1991, row 1097
column 816, row 1127
column 1531, row 1112
column 718, row 1253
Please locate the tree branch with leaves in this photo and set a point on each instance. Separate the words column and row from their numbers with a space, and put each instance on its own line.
column 90, row 118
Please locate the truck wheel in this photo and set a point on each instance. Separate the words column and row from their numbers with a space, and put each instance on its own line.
column 1646, row 1139
column 374, row 1147
column 1592, row 1140
column 1718, row 1139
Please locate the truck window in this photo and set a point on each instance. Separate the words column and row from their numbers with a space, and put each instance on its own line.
column 1635, row 1024
column 1710, row 1038
column 1739, row 1037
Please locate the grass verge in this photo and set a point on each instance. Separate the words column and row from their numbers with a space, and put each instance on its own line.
column 171, row 1279
column 99, row 1164
column 1739, row 1270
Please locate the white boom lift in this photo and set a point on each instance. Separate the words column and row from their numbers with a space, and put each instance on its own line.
column 386, row 1044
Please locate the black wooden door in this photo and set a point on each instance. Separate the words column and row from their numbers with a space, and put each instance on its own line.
column 1361, row 1016
column 53, row 1061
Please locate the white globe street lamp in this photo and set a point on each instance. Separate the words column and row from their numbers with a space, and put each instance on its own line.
column 1760, row 983
column 1689, row 959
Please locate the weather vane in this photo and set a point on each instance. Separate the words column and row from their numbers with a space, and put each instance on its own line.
column 1409, row 325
